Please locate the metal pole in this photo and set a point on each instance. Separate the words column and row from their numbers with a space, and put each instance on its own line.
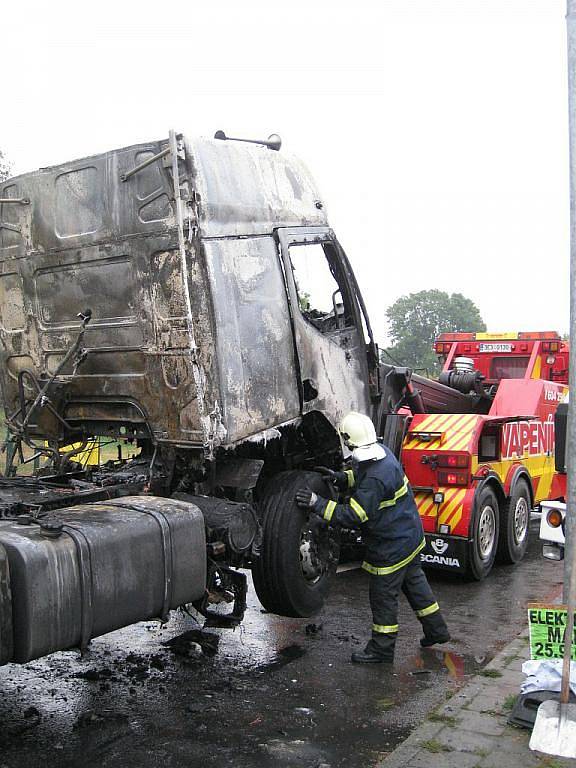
column 570, row 549
column 569, row 553
column 145, row 164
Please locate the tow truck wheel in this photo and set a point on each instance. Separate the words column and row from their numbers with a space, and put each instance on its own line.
column 299, row 552
column 515, row 527
column 484, row 544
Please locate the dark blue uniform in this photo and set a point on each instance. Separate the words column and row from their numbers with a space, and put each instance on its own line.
column 382, row 506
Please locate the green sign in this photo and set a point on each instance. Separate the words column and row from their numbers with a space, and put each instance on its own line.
column 547, row 627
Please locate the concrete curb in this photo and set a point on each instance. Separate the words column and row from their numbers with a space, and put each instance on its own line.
column 470, row 730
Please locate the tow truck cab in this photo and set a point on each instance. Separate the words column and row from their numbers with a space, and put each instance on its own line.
column 478, row 473
column 498, row 356
column 553, row 517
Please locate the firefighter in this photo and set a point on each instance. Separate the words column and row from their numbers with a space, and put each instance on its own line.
column 383, row 507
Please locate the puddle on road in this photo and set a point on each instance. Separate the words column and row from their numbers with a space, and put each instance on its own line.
column 284, row 656
column 295, row 752
column 458, row 666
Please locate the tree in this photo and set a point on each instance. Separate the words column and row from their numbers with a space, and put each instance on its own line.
column 415, row 320
column 4, row 167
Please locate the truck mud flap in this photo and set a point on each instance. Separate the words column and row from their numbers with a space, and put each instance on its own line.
column 445, row 552
column 6, row 631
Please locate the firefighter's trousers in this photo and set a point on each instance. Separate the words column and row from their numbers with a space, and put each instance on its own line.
column 384, row 593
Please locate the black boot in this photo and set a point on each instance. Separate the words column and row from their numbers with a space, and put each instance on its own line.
column 429, row 640
column 369, row 657
column 435, row 630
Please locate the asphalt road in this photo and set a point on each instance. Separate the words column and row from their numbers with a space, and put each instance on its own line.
column 276, row 692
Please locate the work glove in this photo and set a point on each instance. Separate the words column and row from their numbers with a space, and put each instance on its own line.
column 338, row 479
column 306, row 498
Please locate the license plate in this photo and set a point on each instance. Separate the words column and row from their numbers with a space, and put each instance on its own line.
column 495, row 347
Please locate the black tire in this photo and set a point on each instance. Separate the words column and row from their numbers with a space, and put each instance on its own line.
column 283, row 578
column 485, row 527
column 515, row 524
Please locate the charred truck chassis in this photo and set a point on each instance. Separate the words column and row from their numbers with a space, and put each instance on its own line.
column 157, row 296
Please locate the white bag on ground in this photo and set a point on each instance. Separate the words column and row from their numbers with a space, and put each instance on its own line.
column 546, row 675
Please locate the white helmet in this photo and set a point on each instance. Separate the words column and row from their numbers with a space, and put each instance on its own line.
column 358, row 433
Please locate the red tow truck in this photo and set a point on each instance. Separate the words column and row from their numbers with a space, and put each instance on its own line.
column 482, row 457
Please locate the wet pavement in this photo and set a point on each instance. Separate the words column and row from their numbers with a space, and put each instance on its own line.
column 275, row 692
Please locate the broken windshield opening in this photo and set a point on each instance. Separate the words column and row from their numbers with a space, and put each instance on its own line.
column 321, row 289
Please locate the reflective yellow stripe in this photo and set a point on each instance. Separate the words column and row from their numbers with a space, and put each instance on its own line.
column 387, row 629
column 362, row 516
column 329, row 510
column 427, row 611
column 351, row 479
column 384, row 571
column 402, row 491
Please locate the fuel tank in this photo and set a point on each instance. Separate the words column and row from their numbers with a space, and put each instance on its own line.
column 6, row 650
column 90, row 569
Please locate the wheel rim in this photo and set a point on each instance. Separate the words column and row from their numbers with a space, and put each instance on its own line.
column 318, row 551
column 486, row 532
column 521, row 518
column 310, row 563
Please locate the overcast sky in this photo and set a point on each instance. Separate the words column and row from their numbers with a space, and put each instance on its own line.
column 436, row 129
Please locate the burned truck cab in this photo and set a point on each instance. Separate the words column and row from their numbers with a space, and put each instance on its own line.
column 215, row 285
column 178, row 320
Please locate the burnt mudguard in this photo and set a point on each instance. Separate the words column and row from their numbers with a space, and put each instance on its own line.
column 448, row 553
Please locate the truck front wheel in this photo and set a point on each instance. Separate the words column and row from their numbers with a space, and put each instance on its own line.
column 484, row 542
column 513, row 540
column 299, row 552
